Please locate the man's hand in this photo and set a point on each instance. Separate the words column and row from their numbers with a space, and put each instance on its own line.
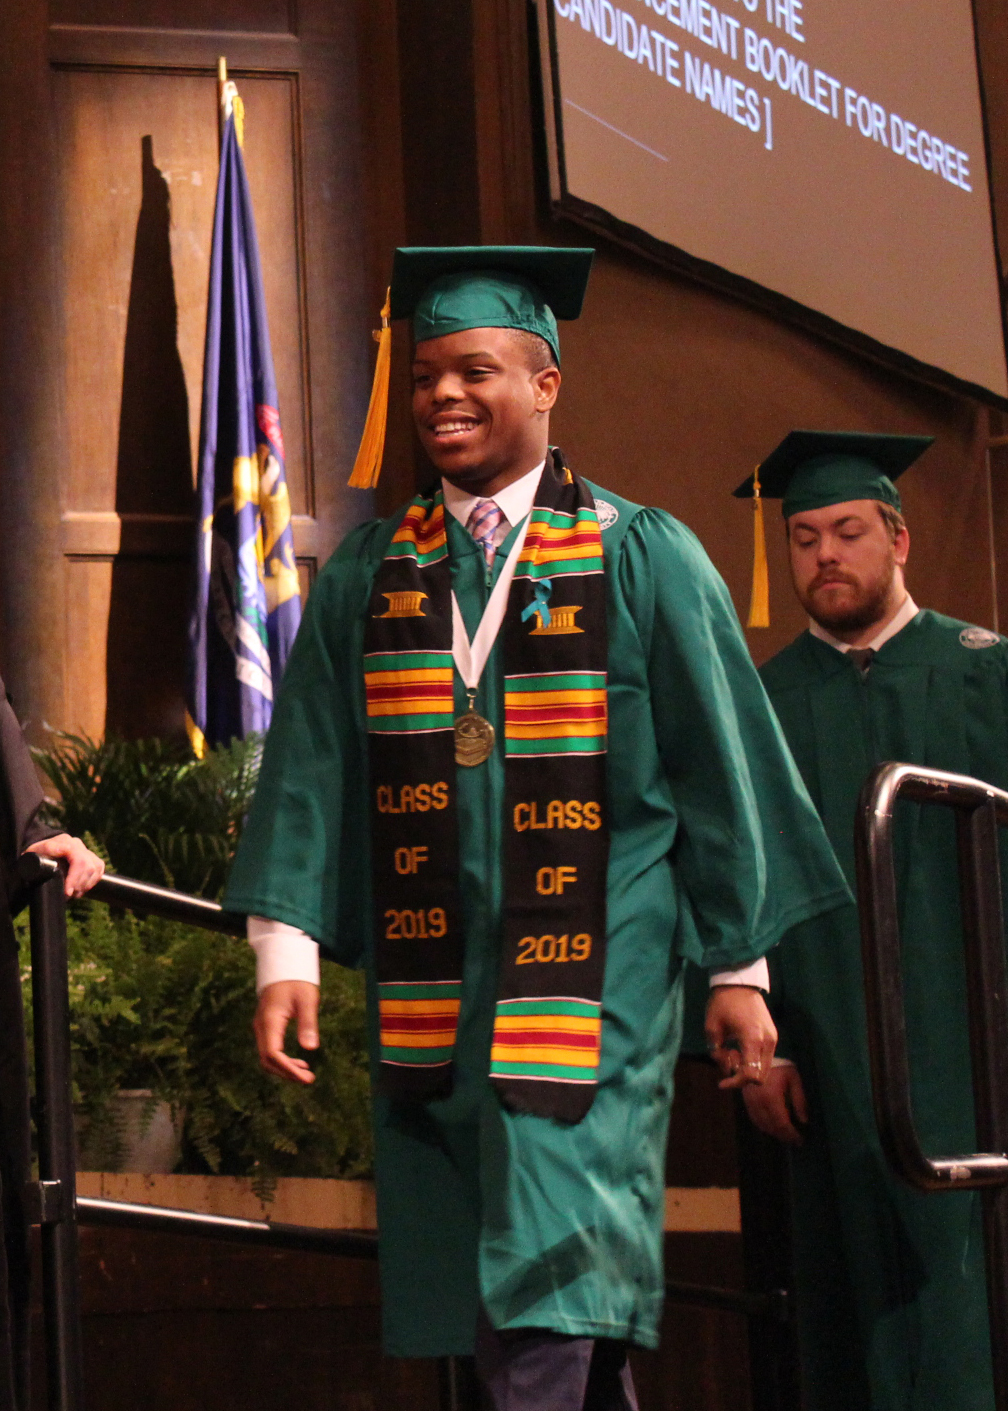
column 278, row 1005
column 737, row 1016
column 773, row 1105
column 83, row 867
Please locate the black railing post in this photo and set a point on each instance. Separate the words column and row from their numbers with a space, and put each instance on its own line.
column 984, row 938
column 765, row 1199
column 54, row 1124
column 980, row 809
column 457, row 1389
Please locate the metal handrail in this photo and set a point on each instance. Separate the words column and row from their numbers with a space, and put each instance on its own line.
column 52, row 1200
column 979, row 810
column 774, row 1304
column 148, row 900
column 59, row 1211
column 141, row 897
column 53, row 1195
column 165, row 1219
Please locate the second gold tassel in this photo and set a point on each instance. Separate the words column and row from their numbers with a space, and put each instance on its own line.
column 759, row 603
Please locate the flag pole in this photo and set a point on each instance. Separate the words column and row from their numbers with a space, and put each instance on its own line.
column 221, row 81
column 228, row 103
column 239, row 644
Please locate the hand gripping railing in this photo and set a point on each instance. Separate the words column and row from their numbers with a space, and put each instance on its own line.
column 979, row 810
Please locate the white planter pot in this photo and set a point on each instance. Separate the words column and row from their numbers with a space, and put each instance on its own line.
column 146, row 1139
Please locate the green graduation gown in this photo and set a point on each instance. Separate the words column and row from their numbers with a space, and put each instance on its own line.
column 892, row 1294
column 715, row 852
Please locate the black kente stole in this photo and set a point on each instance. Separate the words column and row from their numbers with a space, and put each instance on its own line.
column 548, row 1024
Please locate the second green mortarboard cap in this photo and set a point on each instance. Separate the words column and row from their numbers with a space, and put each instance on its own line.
column 813, row 469
column 450, row 288
column 810, row 470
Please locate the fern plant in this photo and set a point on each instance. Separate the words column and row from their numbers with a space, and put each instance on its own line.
column 156, row 1004
column 159, row 1005
column 157, row 812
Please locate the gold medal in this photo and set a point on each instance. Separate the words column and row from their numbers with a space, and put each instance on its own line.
column 474, row 737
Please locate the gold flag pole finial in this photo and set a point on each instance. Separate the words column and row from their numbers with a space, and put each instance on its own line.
column 367, row 466
column 759, row 603
column 228, row 103
column 221, row 81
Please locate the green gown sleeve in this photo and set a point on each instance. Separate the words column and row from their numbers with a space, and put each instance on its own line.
column 750, row 855
column 297, row 861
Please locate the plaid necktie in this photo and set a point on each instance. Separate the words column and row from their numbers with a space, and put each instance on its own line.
column 483, row 524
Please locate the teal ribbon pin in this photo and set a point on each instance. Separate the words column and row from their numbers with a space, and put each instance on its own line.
column 541, row 590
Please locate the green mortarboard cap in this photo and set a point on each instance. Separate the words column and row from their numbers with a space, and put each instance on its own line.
column 450, row 288
column 812, row 469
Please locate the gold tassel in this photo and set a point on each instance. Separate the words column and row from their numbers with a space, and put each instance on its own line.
column 196, row 737
column 367, row 466
column 759, row 603
column 239, row 117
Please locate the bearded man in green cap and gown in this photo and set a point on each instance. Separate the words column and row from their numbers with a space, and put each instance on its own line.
column 890, row 1282
column 521, row 769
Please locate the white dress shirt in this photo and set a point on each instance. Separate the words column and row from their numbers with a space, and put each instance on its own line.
column 514, row 502
column 285, row 953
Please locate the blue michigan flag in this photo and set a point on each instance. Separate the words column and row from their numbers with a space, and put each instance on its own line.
column 247, row 604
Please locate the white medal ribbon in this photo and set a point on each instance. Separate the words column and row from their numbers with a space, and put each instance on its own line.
column 471, row 658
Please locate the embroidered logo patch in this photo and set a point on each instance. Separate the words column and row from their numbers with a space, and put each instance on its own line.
column 977, row 637
column 607, row 514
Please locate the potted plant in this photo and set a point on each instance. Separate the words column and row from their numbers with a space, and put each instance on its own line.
column 166, row 1009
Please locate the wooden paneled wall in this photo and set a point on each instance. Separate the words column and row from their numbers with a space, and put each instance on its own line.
column 123, row 174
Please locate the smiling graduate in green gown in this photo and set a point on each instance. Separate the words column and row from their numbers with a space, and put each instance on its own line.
column 522, row 833
column 890, row 1281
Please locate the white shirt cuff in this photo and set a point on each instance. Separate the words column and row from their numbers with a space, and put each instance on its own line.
column 756, row 974
column 282, row 953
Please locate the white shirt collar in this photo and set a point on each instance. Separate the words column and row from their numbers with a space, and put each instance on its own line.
column 906, row 614
column 515, row 500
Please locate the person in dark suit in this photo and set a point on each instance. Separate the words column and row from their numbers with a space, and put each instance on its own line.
column 21, row 831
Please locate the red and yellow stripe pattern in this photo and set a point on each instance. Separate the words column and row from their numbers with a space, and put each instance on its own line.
column 547, row 1039
column 558, row 543
column 564, row 712
column 409, row 691
column 421, row 536
column 418, row 1021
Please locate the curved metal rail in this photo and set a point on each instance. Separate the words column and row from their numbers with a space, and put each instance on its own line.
column 980, row 809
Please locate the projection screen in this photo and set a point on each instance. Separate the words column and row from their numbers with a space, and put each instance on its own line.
column 830, row 153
